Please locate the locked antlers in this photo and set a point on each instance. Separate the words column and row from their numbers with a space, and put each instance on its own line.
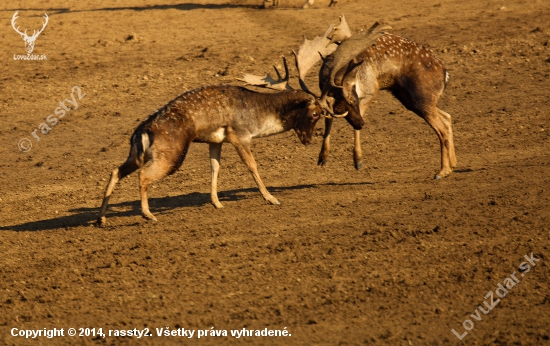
column 281, row 83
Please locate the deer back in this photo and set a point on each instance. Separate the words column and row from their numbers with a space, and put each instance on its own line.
column 392, row 63
column 202, row 112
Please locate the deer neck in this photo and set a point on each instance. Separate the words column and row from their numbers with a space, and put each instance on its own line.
column 279, row 112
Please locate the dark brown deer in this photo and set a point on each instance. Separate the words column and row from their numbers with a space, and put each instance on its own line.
column 408, row 70
column 214, row 115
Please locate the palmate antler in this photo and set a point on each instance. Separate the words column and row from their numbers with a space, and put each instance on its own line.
column 310, row 52
column 267, row 81
column 313, row 51
column 352, row 47
column 345, row 55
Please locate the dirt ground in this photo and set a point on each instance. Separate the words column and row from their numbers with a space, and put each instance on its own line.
column 380, row 256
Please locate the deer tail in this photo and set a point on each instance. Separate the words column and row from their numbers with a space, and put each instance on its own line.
column 141, row 142
column 447, row 78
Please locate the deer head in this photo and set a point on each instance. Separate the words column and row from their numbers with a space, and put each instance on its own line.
column 29, row 40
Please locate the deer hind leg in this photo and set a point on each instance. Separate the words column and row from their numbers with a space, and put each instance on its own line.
column 242, row 145
column 162, row 165
column 325, row 147
column 425, row 107
column 442, row 127
column 215, row 156
column 119, row 173
column 155, row 171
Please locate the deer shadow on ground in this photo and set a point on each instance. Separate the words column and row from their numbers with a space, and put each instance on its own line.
column 88, row 216
column 181, row 7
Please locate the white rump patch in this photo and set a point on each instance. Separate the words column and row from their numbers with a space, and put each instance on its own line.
column 145, row 141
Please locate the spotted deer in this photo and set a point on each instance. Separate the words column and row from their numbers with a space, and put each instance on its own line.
column 408, row 70
column 213, row 115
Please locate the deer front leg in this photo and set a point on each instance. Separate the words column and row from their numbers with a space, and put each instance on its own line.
column 357, row 153
column 215, row 155
column 325, row 147
column 448, row 122
column 364, row 101
column 241, row 142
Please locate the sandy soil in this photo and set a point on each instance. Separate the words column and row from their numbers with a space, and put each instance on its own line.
column 380, row 256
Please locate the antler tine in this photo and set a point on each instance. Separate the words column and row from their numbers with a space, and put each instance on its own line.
column 287, row 75
column 43, row 25
column 13, row 19
column 308, row 56
column 300, row 80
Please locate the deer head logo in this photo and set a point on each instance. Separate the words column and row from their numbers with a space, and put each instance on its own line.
column 29, row 40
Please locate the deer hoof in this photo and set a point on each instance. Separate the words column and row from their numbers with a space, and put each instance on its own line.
column 149, row 216
column 218, row 205
column 442, row 174
column 274, row 202
column 101, row 221
column 321, row 162
column 358, row 165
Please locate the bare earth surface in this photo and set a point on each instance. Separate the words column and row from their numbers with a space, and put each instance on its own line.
column 380, row 256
